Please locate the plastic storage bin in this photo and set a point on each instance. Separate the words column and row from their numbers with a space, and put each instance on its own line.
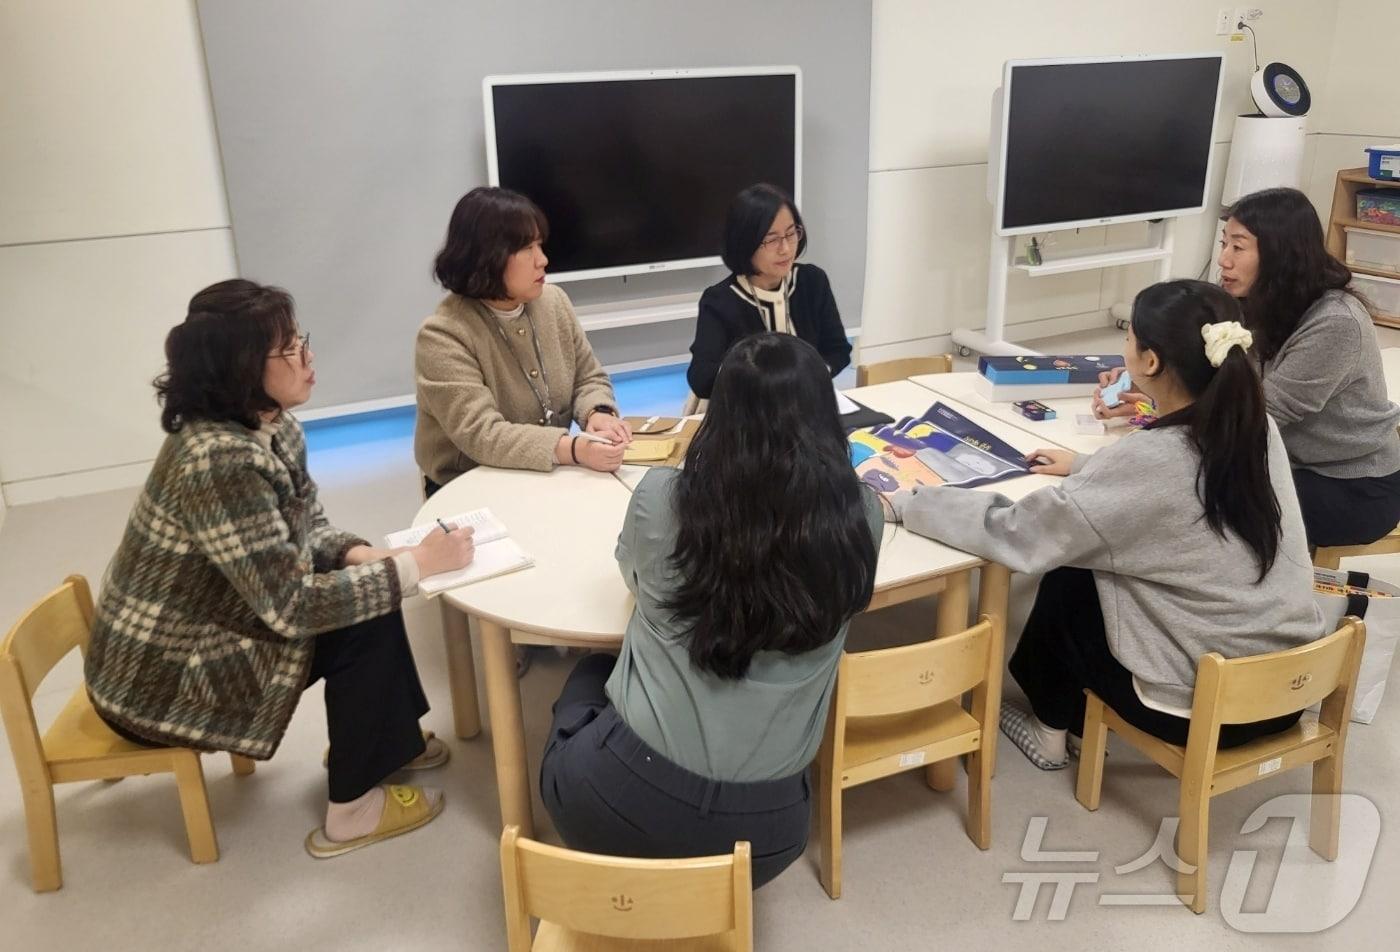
column 1373, row 250
column 1385, row 162
column 1379, row 205
column 1383, row 293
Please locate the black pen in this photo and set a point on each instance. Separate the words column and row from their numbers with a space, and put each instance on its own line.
column 444, row 527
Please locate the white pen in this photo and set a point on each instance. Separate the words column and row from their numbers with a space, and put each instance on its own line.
column 595, row 438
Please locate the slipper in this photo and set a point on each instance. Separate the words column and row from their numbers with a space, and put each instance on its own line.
column 405, row 809
column 435, row 754
column 1015, row 724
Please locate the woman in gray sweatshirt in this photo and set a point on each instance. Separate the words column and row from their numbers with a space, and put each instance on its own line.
column 1178, row 540
column 1321, row 364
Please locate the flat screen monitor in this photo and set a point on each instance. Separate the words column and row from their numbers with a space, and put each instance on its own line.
column 635, row 170
column 1100, row 141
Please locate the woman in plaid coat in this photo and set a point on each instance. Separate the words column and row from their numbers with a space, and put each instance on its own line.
column 231, row 592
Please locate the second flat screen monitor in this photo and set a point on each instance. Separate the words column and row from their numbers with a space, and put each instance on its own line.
column 1103, row 140
column 637, row 174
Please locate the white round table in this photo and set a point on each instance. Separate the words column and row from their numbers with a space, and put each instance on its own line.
column 568, row 521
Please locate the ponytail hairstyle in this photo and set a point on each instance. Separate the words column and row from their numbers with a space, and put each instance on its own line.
column 1227, row 419
column 774, row 551
column 1295, row 268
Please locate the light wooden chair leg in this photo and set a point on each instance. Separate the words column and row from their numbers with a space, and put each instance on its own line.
column 41, row 820
column 1324, row 559
column 1192, row 847
column 1089, row 784
column 1324, row 828
column 242, row 766
column 979, row 798
column 461, row 671
column 194, row 803
column 829, row 825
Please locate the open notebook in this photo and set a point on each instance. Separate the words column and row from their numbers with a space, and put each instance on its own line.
column 496, row 552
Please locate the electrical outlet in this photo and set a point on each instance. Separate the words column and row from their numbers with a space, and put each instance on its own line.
column 1224, row 24
column 1237, row 18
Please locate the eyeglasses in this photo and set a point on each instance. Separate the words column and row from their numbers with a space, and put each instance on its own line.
column 792, row 236
column 304, row 351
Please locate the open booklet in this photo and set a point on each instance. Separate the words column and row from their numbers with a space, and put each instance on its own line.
column 940, row 448
column 496, row 552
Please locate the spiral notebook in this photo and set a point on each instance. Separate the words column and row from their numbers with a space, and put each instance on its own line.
column 496, row 552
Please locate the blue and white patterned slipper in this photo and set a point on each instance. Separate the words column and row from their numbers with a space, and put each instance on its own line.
column 1016, row 725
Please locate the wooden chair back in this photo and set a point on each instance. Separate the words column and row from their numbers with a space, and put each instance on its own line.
column 905, row 367
column 913, row 677
column 653, row 899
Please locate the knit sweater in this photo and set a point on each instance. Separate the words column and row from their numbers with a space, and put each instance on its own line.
column 1326, row 388
column 729, row 313
column 1171, row 589
column 227, row 571
column 475, row 402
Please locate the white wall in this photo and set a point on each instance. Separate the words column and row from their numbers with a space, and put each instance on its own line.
column 1357, row 106
column 112, row 214
column 934, row 66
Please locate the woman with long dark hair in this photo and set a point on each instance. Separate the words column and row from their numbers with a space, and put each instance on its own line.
column 747, row 565
column 767, row 290
column 1316, row 347
column 1323, row 379
column 231, row 592
column 1176, row 541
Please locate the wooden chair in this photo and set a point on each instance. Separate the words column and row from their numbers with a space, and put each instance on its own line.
column 79, row 745
column 1239, row 692
column 901, row 708
column 590, row 903
column 902, row 369
column 1331, row 557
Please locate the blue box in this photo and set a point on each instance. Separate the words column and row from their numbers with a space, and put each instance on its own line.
column 1385, row 162
column 1050, row 369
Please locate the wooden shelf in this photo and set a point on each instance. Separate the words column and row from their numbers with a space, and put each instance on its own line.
column 1349, row 182
column 1359, row 177
column 1374, row 272
column 1367, row 225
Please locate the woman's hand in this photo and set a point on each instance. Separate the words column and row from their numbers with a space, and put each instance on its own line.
column 444, row 551
column 1127, row 400
column 1050, row 462
column 609, row 427
column 603, row 457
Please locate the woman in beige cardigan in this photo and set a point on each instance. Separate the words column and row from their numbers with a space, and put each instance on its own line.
column 503, row 366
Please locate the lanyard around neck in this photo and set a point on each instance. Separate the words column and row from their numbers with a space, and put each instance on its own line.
column 546, row 412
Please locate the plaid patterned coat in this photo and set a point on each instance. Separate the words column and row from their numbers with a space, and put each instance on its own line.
column 226, row 573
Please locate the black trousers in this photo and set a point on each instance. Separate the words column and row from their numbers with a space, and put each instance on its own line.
column 1347, row 511
column 608, row 792
column 373, row 703
column 1064, row 650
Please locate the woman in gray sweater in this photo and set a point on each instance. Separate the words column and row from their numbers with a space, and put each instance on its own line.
column 1176, row 541
column 1323, row 380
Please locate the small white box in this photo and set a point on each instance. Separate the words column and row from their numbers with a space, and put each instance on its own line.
column 1375, row 250
column 1382, row 293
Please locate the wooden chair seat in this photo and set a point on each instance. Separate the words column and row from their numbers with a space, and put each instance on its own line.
column 879, row 746
column 901, row 709
column 79, row 745
column 1242, row 691
column 1330, row 557
column 551, row 937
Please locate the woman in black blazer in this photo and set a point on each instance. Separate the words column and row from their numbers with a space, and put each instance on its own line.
column 767, row 291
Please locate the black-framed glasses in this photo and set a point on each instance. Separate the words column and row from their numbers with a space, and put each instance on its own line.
column 304, row 352
column 792, row 236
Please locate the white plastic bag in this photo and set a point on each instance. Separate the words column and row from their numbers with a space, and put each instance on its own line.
column 1382, row 618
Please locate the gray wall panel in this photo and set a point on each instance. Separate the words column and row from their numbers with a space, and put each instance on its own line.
column 349, row 128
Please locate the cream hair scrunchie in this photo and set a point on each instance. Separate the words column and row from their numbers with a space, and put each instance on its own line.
column 1221, row 337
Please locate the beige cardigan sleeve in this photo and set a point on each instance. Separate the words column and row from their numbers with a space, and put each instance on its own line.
column 451, row 384
column 592, row 388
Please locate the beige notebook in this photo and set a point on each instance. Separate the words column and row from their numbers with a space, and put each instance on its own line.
column 496, row 552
